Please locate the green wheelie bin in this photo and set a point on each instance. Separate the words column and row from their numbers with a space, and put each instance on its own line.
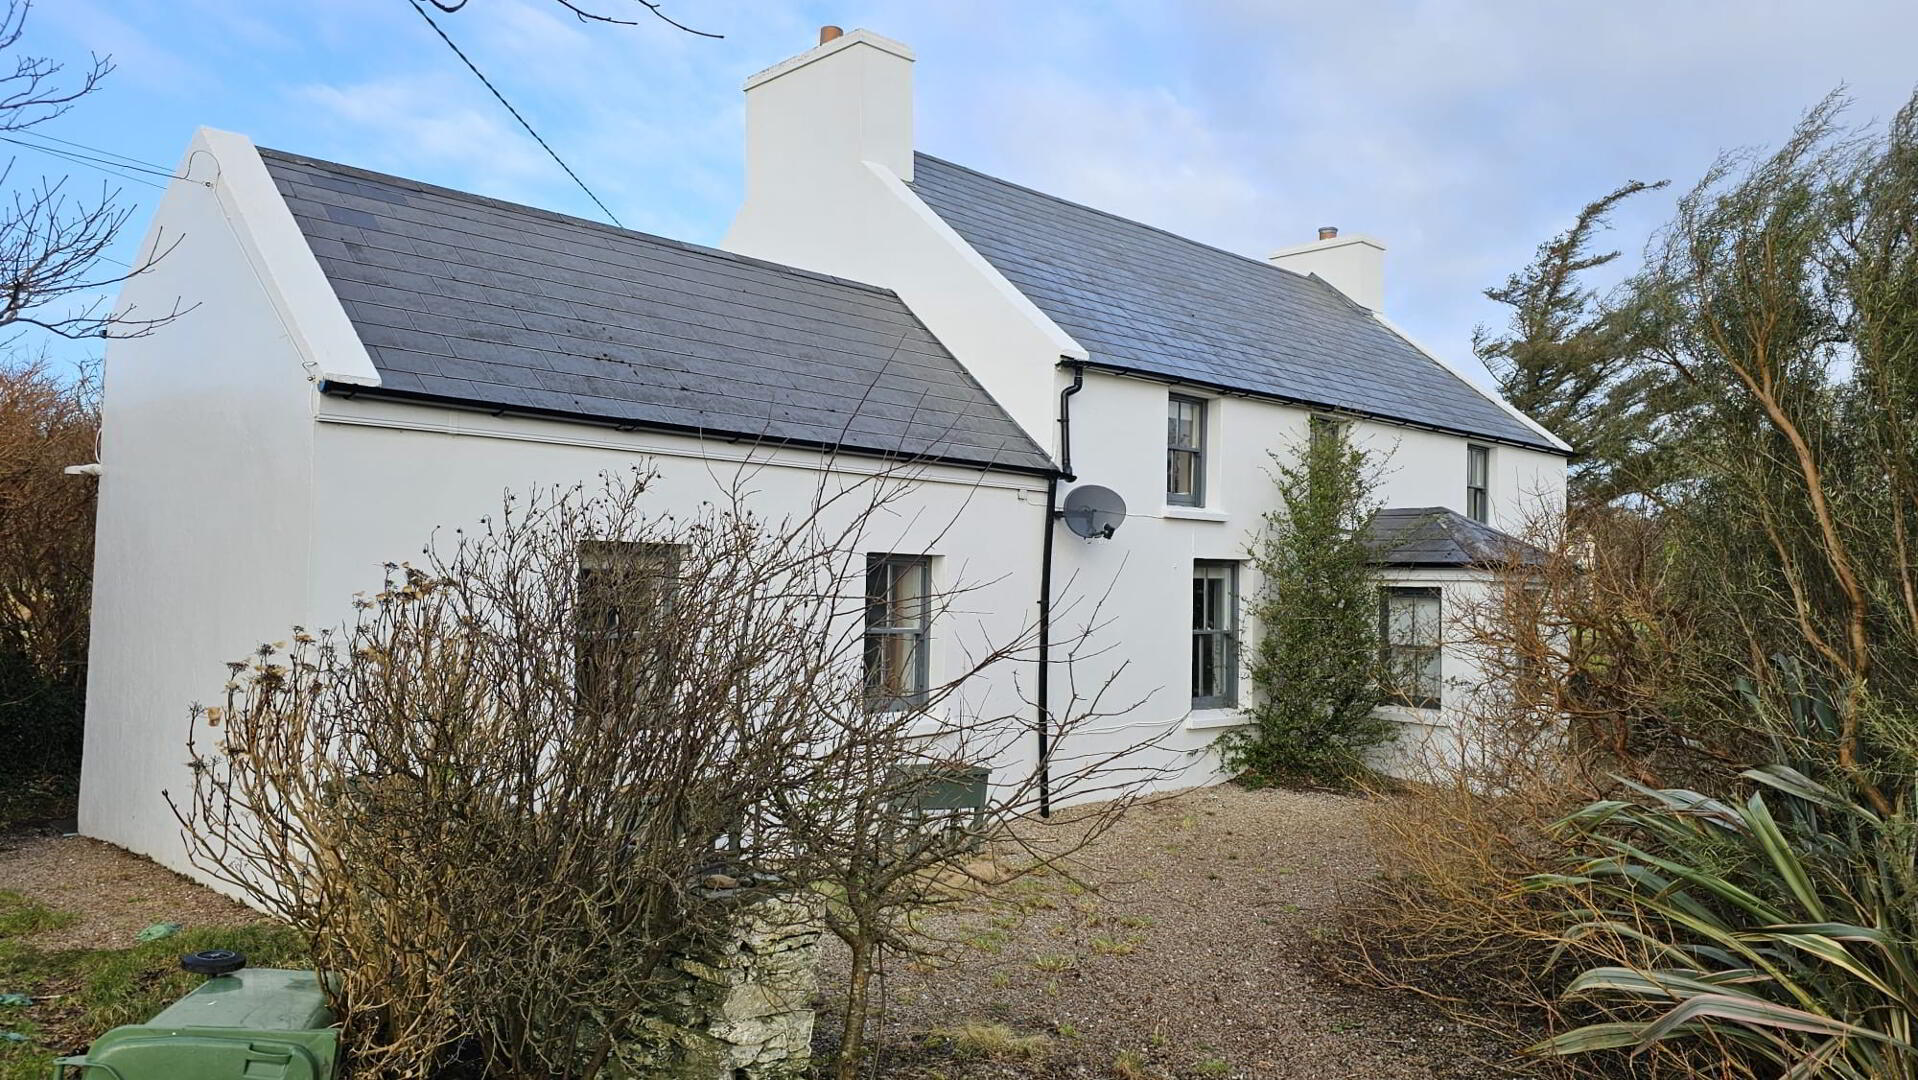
column 243, row 1023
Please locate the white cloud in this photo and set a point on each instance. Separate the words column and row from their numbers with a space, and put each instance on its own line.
column 428, row 126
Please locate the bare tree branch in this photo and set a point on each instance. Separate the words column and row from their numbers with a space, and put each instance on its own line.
column 50, row 241
column 583, row 15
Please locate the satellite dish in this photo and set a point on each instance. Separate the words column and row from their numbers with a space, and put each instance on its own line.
column 1093, row 512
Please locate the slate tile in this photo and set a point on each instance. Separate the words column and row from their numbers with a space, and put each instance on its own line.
column 461, row 297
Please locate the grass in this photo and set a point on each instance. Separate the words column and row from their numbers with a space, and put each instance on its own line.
column 994, row 1042
column 20, row 917
column 79, row 993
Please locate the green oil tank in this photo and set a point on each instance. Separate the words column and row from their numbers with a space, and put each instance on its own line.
column 243, row 1023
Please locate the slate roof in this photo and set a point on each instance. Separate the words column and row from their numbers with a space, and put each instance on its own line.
column 469, row 300
column 1144, row 300
column 1433, row 536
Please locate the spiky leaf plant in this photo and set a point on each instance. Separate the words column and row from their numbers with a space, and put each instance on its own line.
column 1783, row 929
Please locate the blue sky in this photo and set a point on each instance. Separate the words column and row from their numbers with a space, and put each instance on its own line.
column 1460, row 132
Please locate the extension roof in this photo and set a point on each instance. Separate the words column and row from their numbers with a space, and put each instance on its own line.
column 1433, row 536
column 1143, row 300
column 466, row 300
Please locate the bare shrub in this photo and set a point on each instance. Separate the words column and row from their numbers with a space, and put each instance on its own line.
column 884, row 841
column 46, row 569
column 1585, row 678
column 568, row 747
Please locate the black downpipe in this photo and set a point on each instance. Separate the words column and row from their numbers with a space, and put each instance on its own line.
column 1045, row 586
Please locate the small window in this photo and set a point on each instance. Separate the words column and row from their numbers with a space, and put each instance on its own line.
column 1185, row 452
column 623, row 588
column 898, row 615
column 1414, row 659
column 1478, row 486
column 1215, row 635
column 1323, row 428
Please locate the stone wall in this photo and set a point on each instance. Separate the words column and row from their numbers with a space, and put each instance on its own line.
column 744, row 1010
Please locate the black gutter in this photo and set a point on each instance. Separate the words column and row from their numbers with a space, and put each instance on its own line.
column 350, row 391
column 1045, row 585
column 1320, row 406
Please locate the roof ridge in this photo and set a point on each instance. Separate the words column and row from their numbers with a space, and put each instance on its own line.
column 554, row 215
column 1253, row 260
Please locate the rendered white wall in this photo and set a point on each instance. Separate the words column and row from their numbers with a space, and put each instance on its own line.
column 1118, row 427
column 205, row 500
column 390, row 474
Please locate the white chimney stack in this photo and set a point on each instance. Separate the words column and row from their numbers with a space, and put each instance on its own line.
column 1354, row 265
column 832, row 108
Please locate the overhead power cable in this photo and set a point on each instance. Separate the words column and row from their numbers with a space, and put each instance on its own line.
column 488, row 83
column 131, row 161
column 111, row 168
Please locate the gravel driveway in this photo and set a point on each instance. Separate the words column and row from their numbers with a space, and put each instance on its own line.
column 114, row 894
column 1194, row 958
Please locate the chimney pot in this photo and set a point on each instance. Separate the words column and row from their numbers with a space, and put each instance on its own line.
column 828, row 33
column 1328, row 232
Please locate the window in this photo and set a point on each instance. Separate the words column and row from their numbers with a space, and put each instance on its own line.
column 1185, row 451
column 1215, row 634
column 1410, row 630
column 1478, row 486
column 1322, row 428
column 623, row 589
column 898, row 613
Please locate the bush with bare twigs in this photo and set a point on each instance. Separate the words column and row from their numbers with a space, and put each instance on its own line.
column 1691, row 853
column 568, row 747
column 46, row 570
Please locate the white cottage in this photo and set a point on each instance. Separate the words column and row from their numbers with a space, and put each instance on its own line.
column 369, row 358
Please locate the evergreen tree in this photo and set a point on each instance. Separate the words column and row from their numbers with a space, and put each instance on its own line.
column 1576, row 362
column 1316, row 665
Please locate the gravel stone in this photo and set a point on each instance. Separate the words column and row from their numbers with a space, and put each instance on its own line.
column 115, row 893
column 1196, row 951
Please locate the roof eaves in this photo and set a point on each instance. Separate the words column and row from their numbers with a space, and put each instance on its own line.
column 349, row 391
column 1306, row 403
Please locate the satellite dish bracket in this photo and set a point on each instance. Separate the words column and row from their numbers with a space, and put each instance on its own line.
column 1103, row 534
column 1092, row 512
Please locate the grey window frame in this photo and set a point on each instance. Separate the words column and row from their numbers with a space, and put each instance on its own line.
column 878, row 599
column 1320, row 426
column 1195, row 497
column 1388, row 649
column 1478, row 482
column 1222, row 639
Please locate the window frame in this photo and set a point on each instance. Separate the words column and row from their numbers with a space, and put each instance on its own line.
column 920, row 634
column 1388, row 648
column 653, row 565
column 1227, row 633
column 1478, row 495
column 1322, row 426
column 1197, row 449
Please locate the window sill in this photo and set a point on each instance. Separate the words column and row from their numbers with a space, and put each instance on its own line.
column 1215, row 719
column 1194, row 513
column 1412, row 714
